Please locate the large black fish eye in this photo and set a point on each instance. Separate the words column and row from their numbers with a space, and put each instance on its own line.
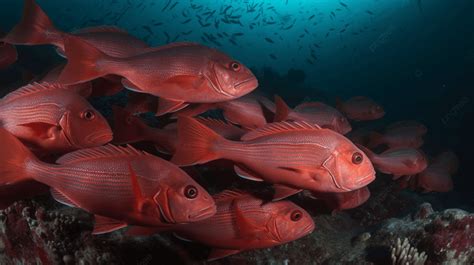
column 296, row 215
column 190, row 192
column 357, row 158
column 88, row 115
column 235, row 66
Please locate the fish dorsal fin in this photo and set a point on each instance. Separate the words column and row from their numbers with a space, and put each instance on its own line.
column 32, row 89
column 229, row 194
column 278, row 127
column 171, row 45
column 100, row 152
column 100, row 29
column 306, row 105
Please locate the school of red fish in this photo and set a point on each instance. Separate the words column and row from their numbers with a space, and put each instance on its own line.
column 310, row 147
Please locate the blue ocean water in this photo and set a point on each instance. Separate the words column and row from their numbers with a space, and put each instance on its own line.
column 414, row 57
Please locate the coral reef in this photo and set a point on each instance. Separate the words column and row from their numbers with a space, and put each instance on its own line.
column 404, row 254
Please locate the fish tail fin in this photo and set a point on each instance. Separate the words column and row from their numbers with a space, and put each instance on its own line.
column 14, row 156
column 196, row 143
column 127, row 128
column 282, row 110
column 85, row 62
column 375, row 139
column 34, row 28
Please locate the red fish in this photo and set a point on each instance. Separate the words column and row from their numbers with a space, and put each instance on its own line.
column 119, row 185
column 437, row 176
column 291, row 155
column 344, row 201
column 396, row 138
column 398, row 162
column 52, row 119
column 314, row 113
column 178, row 73
column 361, row 109
column 8, row 55
column 131, row 129
column 411, row 126
column 245, row 222
column 35, row 28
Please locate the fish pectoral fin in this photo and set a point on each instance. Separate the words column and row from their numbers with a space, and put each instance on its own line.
column 185, row 81
column 42, row 130
column 62, row 198
column 246, row 173
column 142, row 230
column 246, row 229
column 106, row 225
column 168, row 105
column 283, row 191
column 219, row 253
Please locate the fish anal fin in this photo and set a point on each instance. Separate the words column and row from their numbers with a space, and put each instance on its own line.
column 283, row 191
column 219, row 253
column 142, row 230
column 168, row 105
column 131, row 86
column 62, row 198
column 104, row 225
column 246, row 173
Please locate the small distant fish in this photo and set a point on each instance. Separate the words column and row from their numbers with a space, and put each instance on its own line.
column 186, row 21
column 173, row 5
column 343, row 4
column 369, row 12
column 272, row 56
column 148, row 29
column 311, row 17
column 269, row 40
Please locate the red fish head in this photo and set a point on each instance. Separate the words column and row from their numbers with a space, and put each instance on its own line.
column 8, row 54
column 375, row 111
column 184, row 200
column 230, row 79
column 84, row 127
column 342, row 125
column 349, row 168
column 289, row 221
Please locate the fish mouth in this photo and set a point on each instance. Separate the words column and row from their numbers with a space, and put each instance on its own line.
column 100, row 137
column 247, row 84
column 203, row 213
column 366, row 180
column 308, row 229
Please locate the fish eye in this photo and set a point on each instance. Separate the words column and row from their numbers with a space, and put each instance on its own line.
column 296, row 215
column 190, row 192
column 88, row 115
column 235, row 66
column 357, row 158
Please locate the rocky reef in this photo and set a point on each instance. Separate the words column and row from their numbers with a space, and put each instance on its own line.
column 41, row 231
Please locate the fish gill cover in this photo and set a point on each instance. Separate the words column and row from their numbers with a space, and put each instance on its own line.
column 357, row 140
